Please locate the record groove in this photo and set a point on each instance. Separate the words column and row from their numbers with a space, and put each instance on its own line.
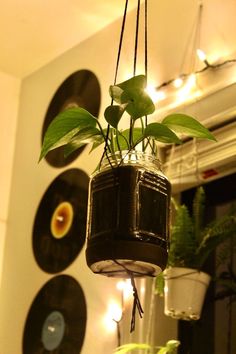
column 80, row 89
column 60, row 223
column 56, row 321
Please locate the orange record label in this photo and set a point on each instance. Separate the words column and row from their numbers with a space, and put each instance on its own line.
column 61, row 220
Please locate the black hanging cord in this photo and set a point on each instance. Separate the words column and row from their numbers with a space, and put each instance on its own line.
column 145, row 39
column 135, row 60
column 116, row 73
column 136, row 38
column 121, row 40
column 145, row 46
column 229, row 331
column 136, row 303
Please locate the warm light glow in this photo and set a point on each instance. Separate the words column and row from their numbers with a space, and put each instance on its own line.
column 185, row 92
column 154, row 94
column 120, row 285
column 142, row 289
column 128, row 289
column 201, row 55
column 191, row 81
column 113, row 315
column 178, row 82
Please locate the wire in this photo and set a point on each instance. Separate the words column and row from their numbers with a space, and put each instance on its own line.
column 205, row 68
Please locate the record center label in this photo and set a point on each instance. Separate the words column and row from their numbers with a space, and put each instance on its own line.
column 53, row 330
column 61, row 220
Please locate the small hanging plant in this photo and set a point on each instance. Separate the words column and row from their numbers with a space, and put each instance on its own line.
column 191, row 244
column 128, row 214
column 76, row 127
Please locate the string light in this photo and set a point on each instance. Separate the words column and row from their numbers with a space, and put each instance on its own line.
column 178, row 82
column 202, row 56
column 185, row 76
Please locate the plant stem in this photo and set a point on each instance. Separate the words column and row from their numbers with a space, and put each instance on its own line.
column 131, row 133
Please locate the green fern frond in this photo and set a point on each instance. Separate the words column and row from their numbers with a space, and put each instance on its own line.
column 214, row 234
column 224, row 251
column 182, row 243
column 198, row 212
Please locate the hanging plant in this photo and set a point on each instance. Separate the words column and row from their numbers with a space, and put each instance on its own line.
column 129, row 196
column 76, row 127
column 190, row 247
column 141, row 218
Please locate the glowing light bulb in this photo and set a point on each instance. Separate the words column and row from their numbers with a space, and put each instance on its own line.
column 201, row 55
column 178, row 82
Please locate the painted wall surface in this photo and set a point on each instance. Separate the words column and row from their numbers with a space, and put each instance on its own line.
column 10, row 90
column 21, row 277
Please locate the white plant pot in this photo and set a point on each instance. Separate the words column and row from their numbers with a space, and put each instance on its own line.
column 185, row 290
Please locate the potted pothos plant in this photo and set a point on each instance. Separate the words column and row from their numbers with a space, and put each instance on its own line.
column 184, row 283
column 129, row 196
column 169, row 348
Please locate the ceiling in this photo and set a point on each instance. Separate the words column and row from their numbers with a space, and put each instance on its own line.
column 34, row 32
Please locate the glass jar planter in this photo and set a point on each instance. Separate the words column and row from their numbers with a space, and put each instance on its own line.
column 128, row 216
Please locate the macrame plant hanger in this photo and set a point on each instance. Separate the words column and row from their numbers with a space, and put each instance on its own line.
column 136, row 301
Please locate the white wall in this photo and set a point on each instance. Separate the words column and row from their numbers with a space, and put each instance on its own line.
column 21, row 276
column 10, row 91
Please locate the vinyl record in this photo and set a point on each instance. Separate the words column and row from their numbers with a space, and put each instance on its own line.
column 81, row 89
column 56, row 321
column 60, row 222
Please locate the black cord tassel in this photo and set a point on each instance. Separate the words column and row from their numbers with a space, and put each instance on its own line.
column 136, row 302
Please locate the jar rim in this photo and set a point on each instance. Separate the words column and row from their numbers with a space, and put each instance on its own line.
column 124, row 157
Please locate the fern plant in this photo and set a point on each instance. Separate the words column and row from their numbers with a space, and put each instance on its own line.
column 192, row 243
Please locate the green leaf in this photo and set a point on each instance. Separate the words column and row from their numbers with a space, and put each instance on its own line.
column 187, row 125
column 84, row 136
column 64, row 127
column 113, row 114
column 99, row 140
column 115, row 93
column 139, row 103
column 136, row 82
column 172, row 344
column 131, row 346
column 170, row 347
column 162, row 133
column 123, row 139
